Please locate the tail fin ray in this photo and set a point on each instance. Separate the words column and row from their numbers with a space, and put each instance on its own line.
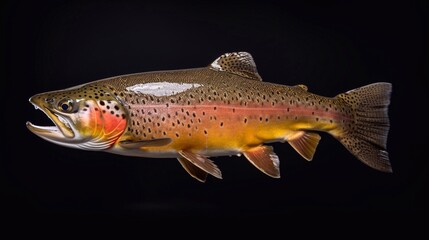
column 367, row 137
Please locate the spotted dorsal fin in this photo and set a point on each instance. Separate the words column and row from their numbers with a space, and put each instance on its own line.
column 238, row 63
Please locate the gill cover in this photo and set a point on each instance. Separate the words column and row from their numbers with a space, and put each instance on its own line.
column 86, row 117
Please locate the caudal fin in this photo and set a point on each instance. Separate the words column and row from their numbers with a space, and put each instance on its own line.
column 367, row 137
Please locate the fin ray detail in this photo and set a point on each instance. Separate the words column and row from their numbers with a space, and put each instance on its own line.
column 264, row 158
column 238, row 63
column 202, row 162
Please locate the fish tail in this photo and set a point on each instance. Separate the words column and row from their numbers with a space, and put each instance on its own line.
column 367, row 137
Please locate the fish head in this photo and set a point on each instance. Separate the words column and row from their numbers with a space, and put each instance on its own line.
column 85, row 117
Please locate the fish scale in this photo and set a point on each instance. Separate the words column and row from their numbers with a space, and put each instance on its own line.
column 219, row 110
column 200, row 113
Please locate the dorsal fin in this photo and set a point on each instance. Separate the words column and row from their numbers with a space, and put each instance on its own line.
column 238, row 63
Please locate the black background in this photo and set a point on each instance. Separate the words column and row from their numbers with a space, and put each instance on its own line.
column 329, row 46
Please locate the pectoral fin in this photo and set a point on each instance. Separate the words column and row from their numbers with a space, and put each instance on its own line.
column 305, row 143
column 202, row 162
column 131, row 144
column 264, row 158
column 193, row 170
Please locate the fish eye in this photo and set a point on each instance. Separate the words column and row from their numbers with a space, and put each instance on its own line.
column 66, row 105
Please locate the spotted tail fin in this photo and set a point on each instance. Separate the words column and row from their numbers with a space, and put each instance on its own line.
column 367, row 137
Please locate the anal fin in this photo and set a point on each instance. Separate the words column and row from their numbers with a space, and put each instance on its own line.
column 264, row 158
column 201, row 162
column 305, row 143
column 193, row 170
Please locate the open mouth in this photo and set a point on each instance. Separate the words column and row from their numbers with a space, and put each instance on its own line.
column 61, row 129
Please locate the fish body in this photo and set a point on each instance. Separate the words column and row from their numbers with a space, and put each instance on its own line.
column 222, row 109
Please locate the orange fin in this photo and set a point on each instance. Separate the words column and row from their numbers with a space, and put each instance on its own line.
column 305, row 143
column 131, row 144
column 264, row 158
column 193, row 170
column 202, row 162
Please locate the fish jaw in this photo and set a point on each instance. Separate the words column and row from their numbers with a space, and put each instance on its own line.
column 61, row 130
column 86, row 117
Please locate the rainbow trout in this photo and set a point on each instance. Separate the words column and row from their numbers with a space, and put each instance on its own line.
column 222, row 109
